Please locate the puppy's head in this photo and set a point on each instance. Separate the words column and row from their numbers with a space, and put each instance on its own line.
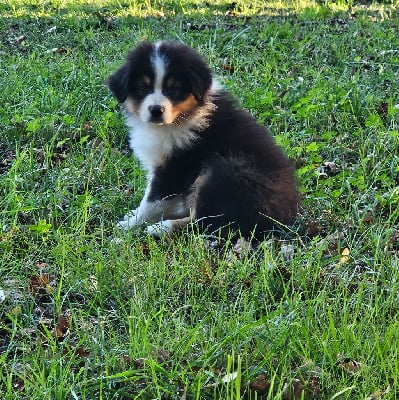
column 161, row 83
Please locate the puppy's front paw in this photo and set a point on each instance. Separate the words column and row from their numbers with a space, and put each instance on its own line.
column 124, row 225
column 129, row 221
column 160, row 229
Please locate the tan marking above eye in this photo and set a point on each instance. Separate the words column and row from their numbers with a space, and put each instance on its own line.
column 169, row 82
column 146, row 80
column 172, row 83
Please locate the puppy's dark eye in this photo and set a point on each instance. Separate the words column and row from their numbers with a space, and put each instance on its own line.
column 143, row 88
column 174, row 91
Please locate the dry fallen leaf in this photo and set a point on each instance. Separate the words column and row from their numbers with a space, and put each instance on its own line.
column 64, row 323
column 382, row 109
column 161, row 356
column 229, row 377
column 350, row 366
column 81, row 352
column 88, row 126
column 322, row 174
column 378, row 394
column 368, row 217
column 52, row 29
column 39, row 284
column 260, row 385
column 327, row 169
column 228, row 67
column 2, row 295
column 344, row 257
column 287, row 251
column 20, row 39
column 294, row 390
column 331, row 165
column 313, row 228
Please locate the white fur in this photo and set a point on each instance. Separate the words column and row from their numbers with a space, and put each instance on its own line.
column 152, row 144
column 161, row 228
column 152, row 211
column 145, row 211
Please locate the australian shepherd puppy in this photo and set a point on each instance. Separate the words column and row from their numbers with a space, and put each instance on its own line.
column 206, row 160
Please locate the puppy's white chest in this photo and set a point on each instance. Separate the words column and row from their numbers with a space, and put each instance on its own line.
column 149, row 149
column 152, row 145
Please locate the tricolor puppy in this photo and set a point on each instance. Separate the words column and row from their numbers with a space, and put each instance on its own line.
column 206, row 160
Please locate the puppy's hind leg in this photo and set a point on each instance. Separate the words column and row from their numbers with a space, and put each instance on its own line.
column 225, row 197
column 174, row 217
column 168, row 227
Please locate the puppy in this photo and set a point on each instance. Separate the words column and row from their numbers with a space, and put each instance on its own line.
column 206, row 160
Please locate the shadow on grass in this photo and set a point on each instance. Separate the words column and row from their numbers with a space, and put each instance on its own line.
column 22, row 20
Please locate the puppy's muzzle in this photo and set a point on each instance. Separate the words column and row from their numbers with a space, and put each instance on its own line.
column 156, row 113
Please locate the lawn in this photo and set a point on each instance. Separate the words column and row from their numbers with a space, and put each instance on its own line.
column 89, row 312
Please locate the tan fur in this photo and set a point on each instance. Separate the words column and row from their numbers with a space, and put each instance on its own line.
column 180, row 224
column 131, row 106
column 185, row 107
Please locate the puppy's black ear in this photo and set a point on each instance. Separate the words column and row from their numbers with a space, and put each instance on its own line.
column 201, row 81
column 117, row 83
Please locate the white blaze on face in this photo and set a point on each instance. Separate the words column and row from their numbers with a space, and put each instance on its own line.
column 157, row 98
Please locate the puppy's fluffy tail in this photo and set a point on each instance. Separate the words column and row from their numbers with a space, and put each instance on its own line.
column 231, row 194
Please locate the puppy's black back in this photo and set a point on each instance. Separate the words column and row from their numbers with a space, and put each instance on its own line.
column 248, row 183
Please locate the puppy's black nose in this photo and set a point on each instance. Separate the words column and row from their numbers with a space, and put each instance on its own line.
column 156, row 111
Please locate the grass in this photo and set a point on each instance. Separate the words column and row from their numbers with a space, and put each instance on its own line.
column 88, row 312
